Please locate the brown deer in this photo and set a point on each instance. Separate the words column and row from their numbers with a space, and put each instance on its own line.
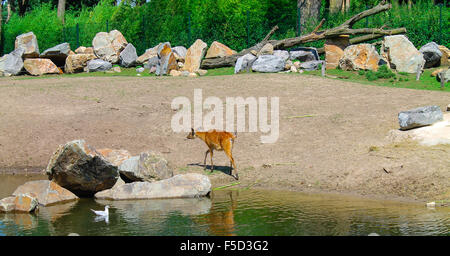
column 217, row 140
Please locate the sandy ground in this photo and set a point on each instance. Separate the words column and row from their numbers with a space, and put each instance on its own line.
column 342, row 148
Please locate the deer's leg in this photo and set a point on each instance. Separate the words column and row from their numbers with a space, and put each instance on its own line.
column 204, row 161
column 230, row 156
column 212, row 164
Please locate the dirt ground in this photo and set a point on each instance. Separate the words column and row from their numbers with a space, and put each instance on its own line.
column 342, row 148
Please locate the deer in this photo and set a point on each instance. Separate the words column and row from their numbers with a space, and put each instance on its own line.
column 217, row 140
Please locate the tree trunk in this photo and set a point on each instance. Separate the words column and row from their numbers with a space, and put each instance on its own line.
column 61, row 10
column 309, row 10
column 335, row 5
column 23, row 5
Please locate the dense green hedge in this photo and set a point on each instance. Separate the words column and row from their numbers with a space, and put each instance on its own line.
column 183, row 21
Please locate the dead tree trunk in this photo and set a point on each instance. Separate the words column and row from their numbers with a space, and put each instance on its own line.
column 61, row 10
column 316, row 35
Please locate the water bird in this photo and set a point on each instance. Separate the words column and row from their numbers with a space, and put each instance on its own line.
column 104, row 213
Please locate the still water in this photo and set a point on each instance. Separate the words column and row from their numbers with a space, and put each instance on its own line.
column 228, row 212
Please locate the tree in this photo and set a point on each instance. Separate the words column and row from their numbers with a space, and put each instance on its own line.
column 61, row 10
column 310, row 11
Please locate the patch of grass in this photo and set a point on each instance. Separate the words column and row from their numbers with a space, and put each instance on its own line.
column 220, row 71
column 426, row 82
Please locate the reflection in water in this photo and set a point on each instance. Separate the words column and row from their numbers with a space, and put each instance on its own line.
column 102, row 218
column 249, row 212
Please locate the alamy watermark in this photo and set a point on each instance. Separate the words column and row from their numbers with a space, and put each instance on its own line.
column 258, row 115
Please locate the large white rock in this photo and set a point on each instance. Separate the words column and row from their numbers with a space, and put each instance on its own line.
column 128, row 56
column 108, row 46
column 401, row 54
column 244, row 63
column 28, row 42
column 179, row 186
column 148, row 166
column 268, row 64
column 12, row 63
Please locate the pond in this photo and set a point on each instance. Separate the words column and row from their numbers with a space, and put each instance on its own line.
column 227, row 212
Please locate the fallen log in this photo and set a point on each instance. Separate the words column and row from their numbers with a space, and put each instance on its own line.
column 316, row 35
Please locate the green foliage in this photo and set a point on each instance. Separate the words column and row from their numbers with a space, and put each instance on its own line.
column 181, row 22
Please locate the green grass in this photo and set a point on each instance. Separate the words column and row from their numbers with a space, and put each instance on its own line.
column 220, row 71
column 400, row 80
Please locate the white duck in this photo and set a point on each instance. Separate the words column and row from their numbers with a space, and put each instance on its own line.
column 104, row 213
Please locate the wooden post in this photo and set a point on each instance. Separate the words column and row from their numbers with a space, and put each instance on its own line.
column 324, row 64
column 442, row 76
column 419, row 71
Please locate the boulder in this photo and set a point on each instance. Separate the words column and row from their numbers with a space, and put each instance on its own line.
column 334, row 50
column 268, row 63
column 152, row 62
column 310, row 65
column 175, row 73
column 281, row 53
column 46, row 192
column 432, row 54
column 194, row 56
column 84, row 50
column 180, row 53
column 140, row 70
column 267, row 49
column 96, row 65
column 128, row 56
column 148, row 54
column 202, row 72
column 79, row 168
column 148, row 166
column 179, row 186
column 218, row 50
column 445, row 55
column 167, row 61
column 419, row 117
column 28, row 42
column 302, row 56
column 443, row 75
column 57, row 54
column 38, row 67
column 12, row 63
column 360, row 56
column 77, row 62
column 401, row 54
column 19, row 203
column 244, row 63
column 107, row 46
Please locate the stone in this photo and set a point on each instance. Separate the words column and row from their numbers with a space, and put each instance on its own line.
column 140, row 70
column 57, row 54
column 443, row 75
column 152, row 62
column 436, row 72
column 202, row 72
column 96, row 65
column 12, row 63
column 179, row 186
column 244, row 63
column 293, row 69
column 267, row 49
column 360, row 57
column 268, row 63
column 79, row 168
column 116, row 69
column 445, row 55
column 167, row 61
column 419, row 117
column 194, row 56
column 115, row 156
column 128, row 56
column 84, row 50
column 302, row 56
column 192, row 74
column 282, row 53
column 180, row 65
column 185, row 73
column 148, row 166
column 401, row 54
column 38, row 67
column 28, row 42
column 174, row 72
column 310, row 65
column 77, row 62
column 218, row 50
column 152, row 70
column 180, row 53
column 334, row 50
column 148, row 54
column 432, row 54
column 19, row 203
column 254, row 52
column 289, row 64
column 108, row 46
column 46, row 192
